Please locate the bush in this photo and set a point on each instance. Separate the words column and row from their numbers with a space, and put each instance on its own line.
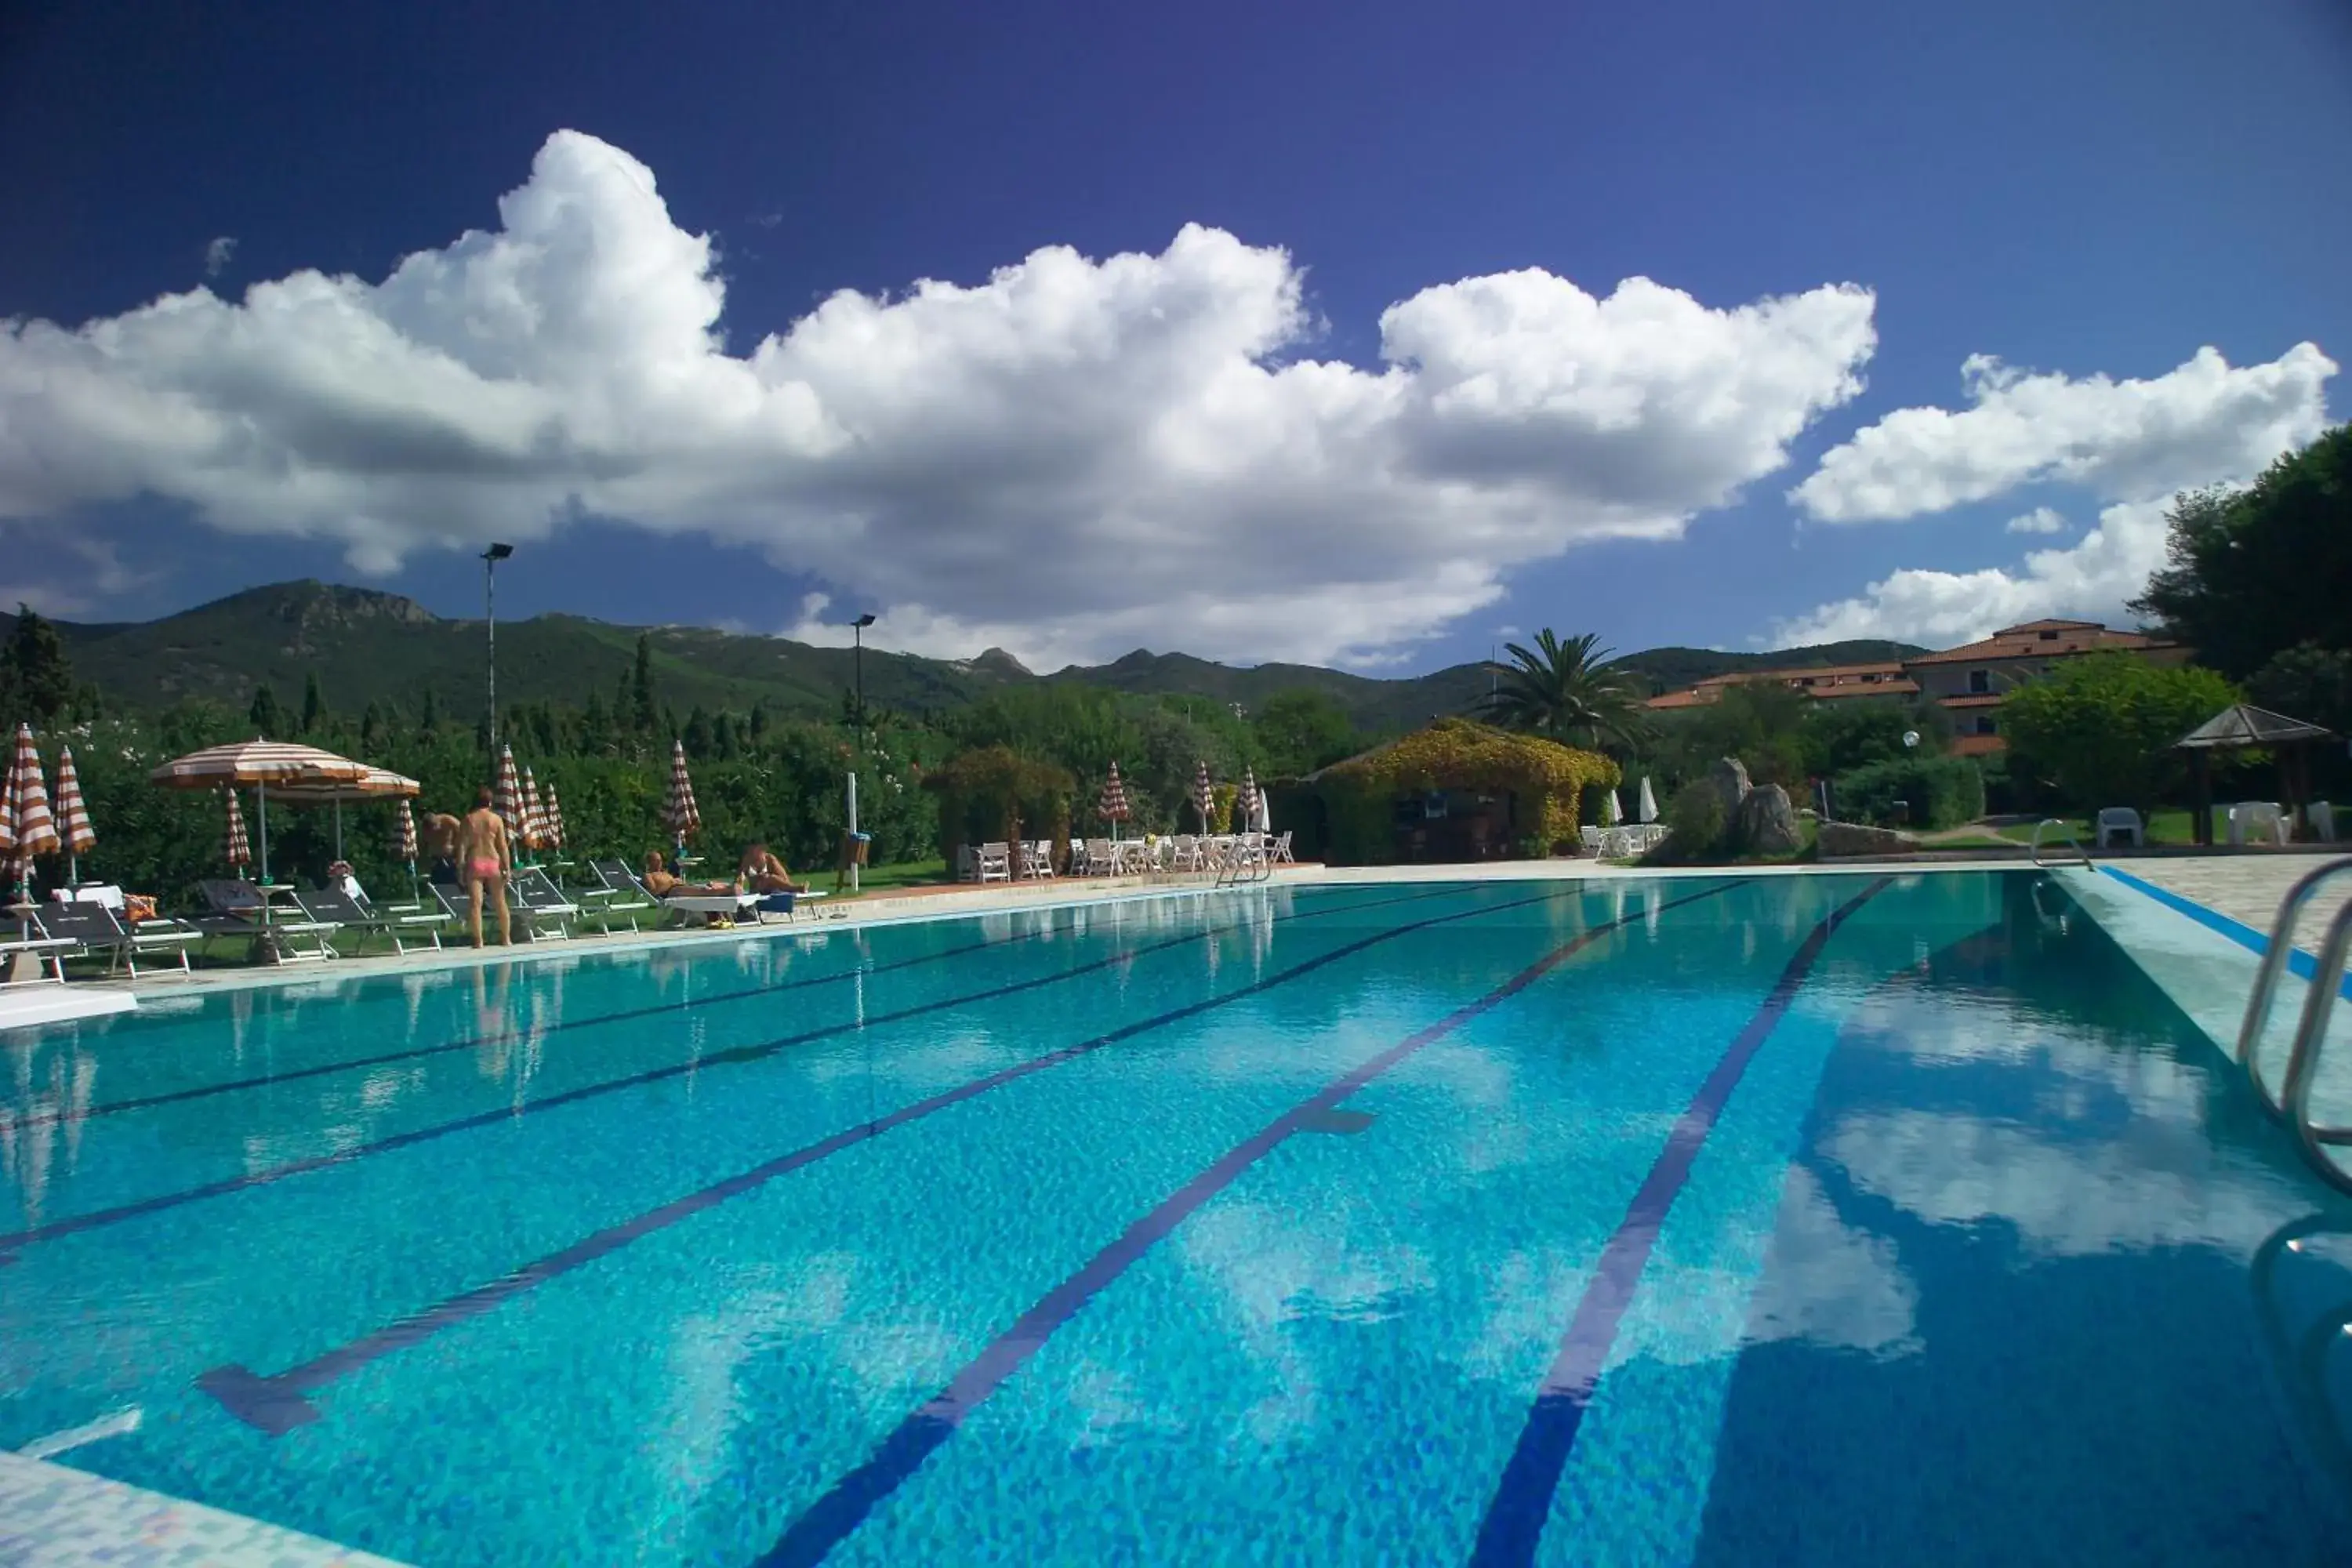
column 1695, row 828
column 2101, row 727
column 1941, row 792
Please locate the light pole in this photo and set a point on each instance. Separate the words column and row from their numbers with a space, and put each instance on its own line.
column 490, row 559
column 858, row 633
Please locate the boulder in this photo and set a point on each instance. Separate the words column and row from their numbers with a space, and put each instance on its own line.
column 1728, row 777
column 1846, row 838
column 1768, row 822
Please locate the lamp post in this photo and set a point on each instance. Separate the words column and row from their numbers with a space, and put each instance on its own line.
column 857, row 633
column 490, row 559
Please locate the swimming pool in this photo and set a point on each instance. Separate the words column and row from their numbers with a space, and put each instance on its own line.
column 1775, row 1220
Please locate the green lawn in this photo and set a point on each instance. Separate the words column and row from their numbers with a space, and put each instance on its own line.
column 906, row 874
column 2166, row 826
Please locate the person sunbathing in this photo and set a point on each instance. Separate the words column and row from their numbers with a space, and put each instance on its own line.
column 763, row 872
column 662, row 885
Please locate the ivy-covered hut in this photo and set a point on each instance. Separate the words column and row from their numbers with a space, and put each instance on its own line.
column 996, row 794
column 1457, row 790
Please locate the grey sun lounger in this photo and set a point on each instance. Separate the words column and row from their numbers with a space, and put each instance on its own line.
column 333, row 906
column 19, row 938
column 545, row 909
column 618, row 892
column 93, row 928
column 239, row 909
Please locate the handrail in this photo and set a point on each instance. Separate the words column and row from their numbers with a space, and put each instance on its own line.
column 2275, row 957
column 2303, row 1063
column 2062, row 827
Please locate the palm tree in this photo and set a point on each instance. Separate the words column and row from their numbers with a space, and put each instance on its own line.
column 1567, row 692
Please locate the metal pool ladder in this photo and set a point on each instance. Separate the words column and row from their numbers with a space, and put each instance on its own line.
column 2292, row 1103
column 2066, row 832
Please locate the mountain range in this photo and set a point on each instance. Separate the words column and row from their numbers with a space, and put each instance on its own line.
column 364, row 645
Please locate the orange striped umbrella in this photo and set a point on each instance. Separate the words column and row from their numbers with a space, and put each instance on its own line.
column 679, row 811
column 508, row 788
column 264, row 764
column 534, row 815
column 404, row 833
column 236, row 848
column 73, row 817
column 1204, row 795
column 551, row 825
column 28, row 804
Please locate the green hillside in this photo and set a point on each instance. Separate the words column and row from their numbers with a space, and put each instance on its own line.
column 366, row 646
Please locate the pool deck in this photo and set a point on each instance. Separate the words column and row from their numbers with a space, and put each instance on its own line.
column 2190, row 921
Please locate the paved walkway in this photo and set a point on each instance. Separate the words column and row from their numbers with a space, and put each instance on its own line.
column 2246, row 887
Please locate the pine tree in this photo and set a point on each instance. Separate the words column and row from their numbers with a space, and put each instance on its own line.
column 372, row 726
column 34, row 670
column 314, row 703
column 269, row 722
column 759, row 721
column 430, row 718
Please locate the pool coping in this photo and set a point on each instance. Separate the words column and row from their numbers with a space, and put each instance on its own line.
column 58, row 1516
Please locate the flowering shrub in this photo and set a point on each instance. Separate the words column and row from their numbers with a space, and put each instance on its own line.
column 1544, row 781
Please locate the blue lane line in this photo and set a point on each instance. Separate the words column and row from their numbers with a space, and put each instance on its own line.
column 278, row 1404
column 1522, row 1501
column 2301, row 964
column 833, row 1517
column 732, row 1056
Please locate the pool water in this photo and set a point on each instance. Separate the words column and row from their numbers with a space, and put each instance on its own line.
column 1738, row 1221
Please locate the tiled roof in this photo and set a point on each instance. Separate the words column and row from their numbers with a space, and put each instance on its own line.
column 1818, row 672
column 1977, row 745
column 1692, row 699
column 1893, row 688
column 2028, row 642
column 1974, row 700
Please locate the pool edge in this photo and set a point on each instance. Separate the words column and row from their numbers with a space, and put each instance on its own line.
column 58, row 1516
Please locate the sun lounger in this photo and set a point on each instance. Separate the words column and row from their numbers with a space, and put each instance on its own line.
column 618, row 892
column 20, row 939
column 152, row 934
column 404, row 925
column 545, row 910
column 92, row 929
column 239, row 909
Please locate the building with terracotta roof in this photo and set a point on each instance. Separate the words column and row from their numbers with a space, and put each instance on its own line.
column 1970, row 682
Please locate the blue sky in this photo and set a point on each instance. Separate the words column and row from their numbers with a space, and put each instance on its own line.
column 1082, row 459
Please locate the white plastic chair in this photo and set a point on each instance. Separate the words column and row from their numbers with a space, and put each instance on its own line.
column 1591, row 839
column 996, row 862
column 2120, row 821
column 1281, row 853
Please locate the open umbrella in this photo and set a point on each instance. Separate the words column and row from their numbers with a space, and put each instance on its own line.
column 1113, row 807
column 550, row 826
column 28, row 806
column 1648, row 807
column 403, row 840
column 1204, row 794
column 373, row 784
column 73, row 817
column 678, row 812
column 266, row 765
column 235, row 847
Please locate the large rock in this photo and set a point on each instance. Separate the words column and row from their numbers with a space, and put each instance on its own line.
column 1728, row 777
column 1844, row 838
column 1768, row 822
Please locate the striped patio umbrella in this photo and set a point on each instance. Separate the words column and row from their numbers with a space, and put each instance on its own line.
column 534, row 815
column 28, row 806
column 73, row 817
column 317, row 789
column 1247, row 803
column 235, row 847
column 1112, row 806
column 550, row 826
column 266, row 765
column 1204, row 794
column 403, row 840
column 506, row 791
column 679, row 812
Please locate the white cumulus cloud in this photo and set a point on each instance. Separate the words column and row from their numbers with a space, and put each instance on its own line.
column 2123, row 440
column 1070, row 459
column 218, row 252
column 2131, row 443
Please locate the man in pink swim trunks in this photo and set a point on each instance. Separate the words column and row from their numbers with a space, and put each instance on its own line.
column 482, row 861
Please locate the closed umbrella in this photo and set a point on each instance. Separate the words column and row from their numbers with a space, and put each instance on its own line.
column 73, row 817
column 534, row 816
column 236, row 848
column 1648, row 806
column 508, row 792
column 1612, row 814
column 1204, row 794
column 266, row 765
column 1113, row 807
column 403, row 840
column 550, row 826
column 1248, row 801
column 679, row 812
column 28, row 806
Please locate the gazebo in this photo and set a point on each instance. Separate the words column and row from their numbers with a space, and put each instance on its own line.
column 2242, row 726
